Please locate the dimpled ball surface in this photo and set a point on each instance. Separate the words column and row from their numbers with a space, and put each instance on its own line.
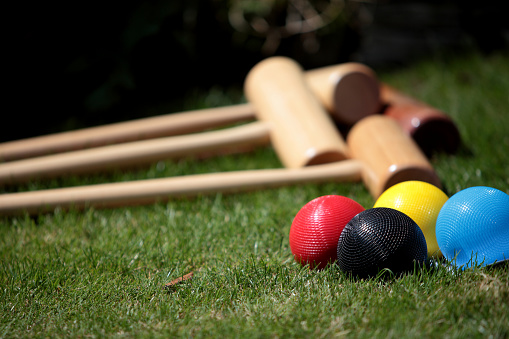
column 422, row 202
column 316, row 228
column 473, row 227
column 380, row 238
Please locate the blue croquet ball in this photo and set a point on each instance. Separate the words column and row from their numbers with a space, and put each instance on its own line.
column 473, row 227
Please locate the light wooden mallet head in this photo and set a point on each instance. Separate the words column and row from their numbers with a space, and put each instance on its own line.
column 388, row 155
column 338, row 88
column 302, row 133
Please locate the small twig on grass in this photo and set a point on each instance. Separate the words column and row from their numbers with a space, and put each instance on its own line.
column 179, row 280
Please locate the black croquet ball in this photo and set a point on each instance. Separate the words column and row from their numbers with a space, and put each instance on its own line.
column 381, row 238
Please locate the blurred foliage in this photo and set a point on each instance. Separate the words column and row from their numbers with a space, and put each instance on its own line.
column 87, row 63
column 275, row 20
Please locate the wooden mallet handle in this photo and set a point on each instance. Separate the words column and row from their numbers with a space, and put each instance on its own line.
column 135, row 153
column 153, row 190
column 128, row 131
column 337, row 87
column 386, row 156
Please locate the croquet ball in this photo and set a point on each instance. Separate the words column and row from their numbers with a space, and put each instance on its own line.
column 473, row 227
column 380, row 238
column 316, row 228
column 422, row 202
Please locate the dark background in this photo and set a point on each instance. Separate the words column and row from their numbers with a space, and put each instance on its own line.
column 89, row 63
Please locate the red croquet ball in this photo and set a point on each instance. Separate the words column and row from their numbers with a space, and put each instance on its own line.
column 316, row 228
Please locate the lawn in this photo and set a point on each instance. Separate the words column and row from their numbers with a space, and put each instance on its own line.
column 98, row 273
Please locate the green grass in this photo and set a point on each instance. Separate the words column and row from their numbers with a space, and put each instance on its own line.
column 101, row 273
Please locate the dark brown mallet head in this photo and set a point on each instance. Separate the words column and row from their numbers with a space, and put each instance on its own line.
column 431, row 129
column 338, row 88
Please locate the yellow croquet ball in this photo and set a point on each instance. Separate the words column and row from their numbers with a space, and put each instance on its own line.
column 422, row 202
